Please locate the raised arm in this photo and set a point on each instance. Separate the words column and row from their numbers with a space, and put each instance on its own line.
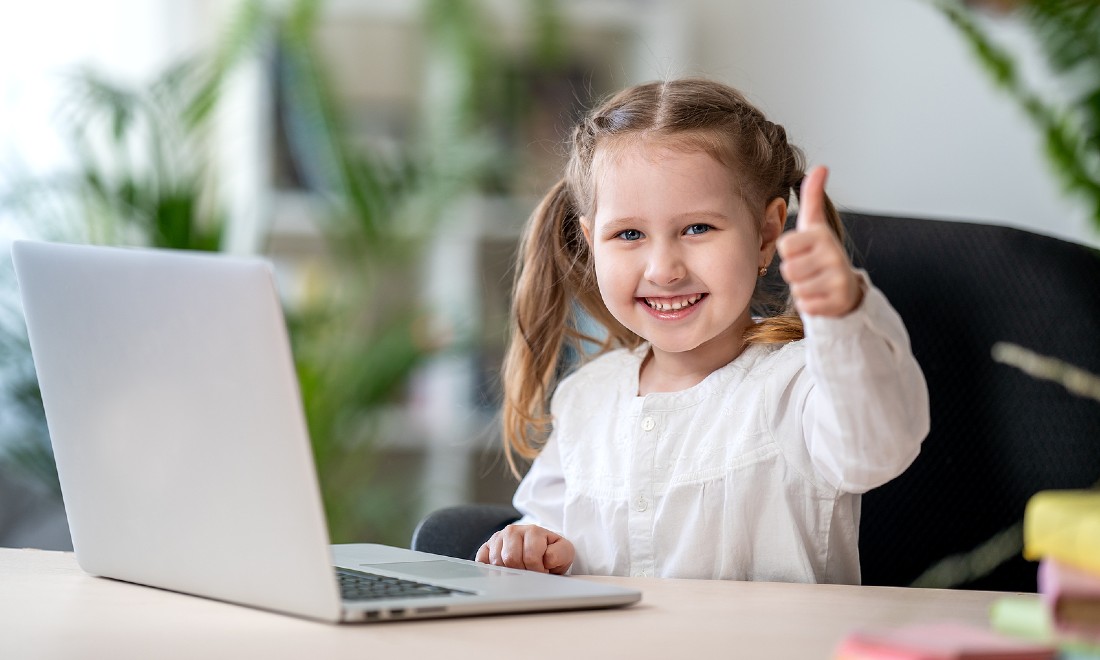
column 865, row 405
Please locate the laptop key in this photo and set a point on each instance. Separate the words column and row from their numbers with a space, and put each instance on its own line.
column 356, row 585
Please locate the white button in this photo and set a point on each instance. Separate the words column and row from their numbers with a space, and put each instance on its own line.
column 648, row 424
column 641, row 504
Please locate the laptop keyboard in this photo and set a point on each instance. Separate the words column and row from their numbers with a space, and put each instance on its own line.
column 356, row 585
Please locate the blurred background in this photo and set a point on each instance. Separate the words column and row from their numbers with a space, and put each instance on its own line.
column 384, row 154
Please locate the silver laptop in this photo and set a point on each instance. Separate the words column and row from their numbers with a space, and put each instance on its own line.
column 181, row 445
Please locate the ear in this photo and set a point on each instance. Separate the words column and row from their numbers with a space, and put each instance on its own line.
column 775, row 216
column 587, row 232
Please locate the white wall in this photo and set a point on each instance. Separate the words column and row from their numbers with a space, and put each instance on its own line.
column 886, row 93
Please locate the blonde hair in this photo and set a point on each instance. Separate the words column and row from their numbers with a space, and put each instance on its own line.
column 555, row 275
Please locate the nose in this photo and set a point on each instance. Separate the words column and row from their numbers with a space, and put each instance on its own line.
column 665, row 265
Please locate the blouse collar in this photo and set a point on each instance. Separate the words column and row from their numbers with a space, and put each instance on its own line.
column 717, row 381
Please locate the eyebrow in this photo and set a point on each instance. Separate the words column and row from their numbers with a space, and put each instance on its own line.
column 628, row 222
column 715, row 215
column 619, row 224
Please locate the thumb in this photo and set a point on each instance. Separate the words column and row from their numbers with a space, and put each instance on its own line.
column 559, row 554
column 811, row 200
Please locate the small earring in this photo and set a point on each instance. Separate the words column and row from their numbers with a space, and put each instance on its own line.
column 762, row 272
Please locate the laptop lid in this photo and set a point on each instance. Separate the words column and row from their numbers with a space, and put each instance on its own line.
column 172, row 405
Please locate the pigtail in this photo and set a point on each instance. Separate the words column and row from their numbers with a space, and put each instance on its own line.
column 551, row 270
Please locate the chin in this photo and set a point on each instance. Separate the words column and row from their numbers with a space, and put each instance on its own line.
column 675, row 346
column 722, row 342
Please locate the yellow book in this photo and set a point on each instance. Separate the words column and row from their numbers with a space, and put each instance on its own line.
column 1064, row 525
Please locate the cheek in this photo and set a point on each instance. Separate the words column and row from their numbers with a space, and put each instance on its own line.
column 733, row 269
column 747, row 252
column 605, row 277
column 614, row 278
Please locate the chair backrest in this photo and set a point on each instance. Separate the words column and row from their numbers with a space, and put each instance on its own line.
column 998, row 435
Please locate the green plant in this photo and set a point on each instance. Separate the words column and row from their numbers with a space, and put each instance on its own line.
column 380, row 210
column 1067, row 34
column 384, row 208
column 143, row 175
column 353, row 348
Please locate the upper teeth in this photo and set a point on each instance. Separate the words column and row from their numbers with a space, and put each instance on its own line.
column 672, row 307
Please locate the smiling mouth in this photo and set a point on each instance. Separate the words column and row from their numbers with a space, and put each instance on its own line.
column 673, row 304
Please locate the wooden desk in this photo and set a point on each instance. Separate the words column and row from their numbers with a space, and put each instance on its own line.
column 50, row 609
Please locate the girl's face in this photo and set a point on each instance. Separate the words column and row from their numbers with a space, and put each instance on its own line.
column 677, row 251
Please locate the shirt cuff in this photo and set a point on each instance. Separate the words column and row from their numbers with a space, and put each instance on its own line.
column 874, row 312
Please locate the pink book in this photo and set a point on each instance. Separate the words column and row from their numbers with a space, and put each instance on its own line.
column 939, row 641
column 1072, row 596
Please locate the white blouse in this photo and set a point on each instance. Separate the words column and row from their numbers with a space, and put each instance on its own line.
column 752, row 474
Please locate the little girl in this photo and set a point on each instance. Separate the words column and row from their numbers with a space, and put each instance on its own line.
column 702, row 442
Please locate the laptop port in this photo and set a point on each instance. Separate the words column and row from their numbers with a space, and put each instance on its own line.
column 397, row 612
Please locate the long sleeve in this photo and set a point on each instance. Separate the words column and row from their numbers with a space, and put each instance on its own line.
column 865, row 408
column 540, row 497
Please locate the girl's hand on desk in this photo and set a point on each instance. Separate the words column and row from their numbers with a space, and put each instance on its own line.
column 528, row 547
column 815, row 264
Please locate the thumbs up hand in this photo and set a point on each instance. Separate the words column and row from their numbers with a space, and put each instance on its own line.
column 815, row 265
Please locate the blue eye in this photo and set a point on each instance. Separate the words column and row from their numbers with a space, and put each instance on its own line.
column 697, row 229
column 629, row 235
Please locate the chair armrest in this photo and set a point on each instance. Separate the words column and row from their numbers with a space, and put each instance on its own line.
column 459, row 531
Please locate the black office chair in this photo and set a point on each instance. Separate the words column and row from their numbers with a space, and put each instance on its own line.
column 998, row 435
column 459, row 531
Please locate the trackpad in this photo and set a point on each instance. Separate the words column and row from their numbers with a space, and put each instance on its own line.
column 438, row 569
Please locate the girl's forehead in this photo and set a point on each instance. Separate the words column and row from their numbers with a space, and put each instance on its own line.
column 663, row 159
column 653, row 151
column 648, row 147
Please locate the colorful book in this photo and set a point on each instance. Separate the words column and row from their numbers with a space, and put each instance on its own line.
column 1072, row 597
column 1022, row 616
column 939, row 641
column 1065, row 525
column 1028, row 617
